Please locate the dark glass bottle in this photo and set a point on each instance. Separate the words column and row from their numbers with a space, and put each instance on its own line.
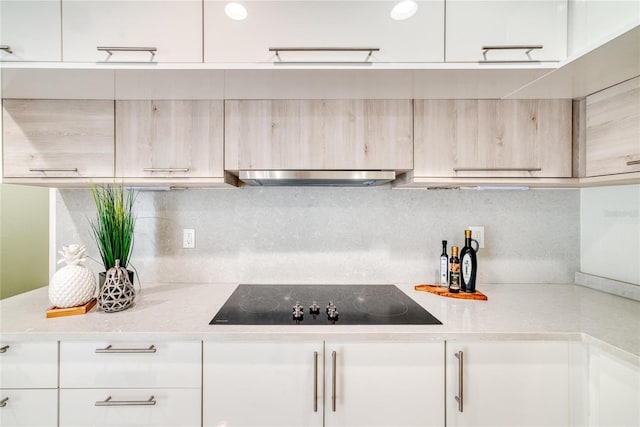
column 444, row 266
column 454, row 271
column 469, row 265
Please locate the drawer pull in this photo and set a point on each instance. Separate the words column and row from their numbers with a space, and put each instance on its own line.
column 6, row 48
column 111, row 49
column 108, row 402
column 3, row 402
column 110, row 349
column 497, row 169
column 53, row 169
column 4, row 349
column 166, row 169
column 633, row 162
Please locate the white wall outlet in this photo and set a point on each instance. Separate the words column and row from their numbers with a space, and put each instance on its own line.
column 188, row 238
column 477, row 233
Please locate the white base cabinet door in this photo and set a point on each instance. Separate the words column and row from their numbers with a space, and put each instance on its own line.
column 262, row 384
column 29, row 408
column 508, row 383
column 388, row 384
column 28, row 364
column 130, row 407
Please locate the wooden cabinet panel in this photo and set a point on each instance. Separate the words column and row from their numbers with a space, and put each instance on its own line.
column 492, row 138
column 55, row 138
column 613, row 130
column 31, row 29
column 29, row 408
column 169, row 139
column 318, row 134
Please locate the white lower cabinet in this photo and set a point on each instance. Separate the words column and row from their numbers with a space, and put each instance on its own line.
column 130, row 407
column 28, row 408
column 508, row 383
column 301, row 383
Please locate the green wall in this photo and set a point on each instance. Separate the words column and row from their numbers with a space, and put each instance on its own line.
column 24, row 239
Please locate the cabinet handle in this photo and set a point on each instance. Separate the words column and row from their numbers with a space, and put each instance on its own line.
column 4, row 349
column 53, row 169
column 527, row 50
column 108, row 402
column 497, row 169
column 633, row 162
column 111, row 49
column 110, row 349
column 166, row 169
column 460, row 397
column 6, row 48
column 277, row 50
column 315, row 381
column 3, row 402
column 333, row 381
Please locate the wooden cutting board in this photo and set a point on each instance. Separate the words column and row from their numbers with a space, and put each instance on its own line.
column 438, row 290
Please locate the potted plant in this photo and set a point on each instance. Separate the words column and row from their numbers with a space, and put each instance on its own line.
column 113, row 226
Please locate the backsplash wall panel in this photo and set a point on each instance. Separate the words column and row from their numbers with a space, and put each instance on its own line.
column 339, row 235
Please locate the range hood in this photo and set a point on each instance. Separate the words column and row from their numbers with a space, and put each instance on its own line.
column 317, row 178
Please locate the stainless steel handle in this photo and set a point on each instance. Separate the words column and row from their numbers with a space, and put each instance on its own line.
column 3, row 402
column 333, row 381
column 277, row 50
column 460, row 397
column 315, row 381
column 633, row 162
column 111, row 49
column 6, row 48
column 108, row 402
column 110, row 349
column 526, row 48
column 497, row 169
column 53, row 169
column 4, row 349
column 166, row 169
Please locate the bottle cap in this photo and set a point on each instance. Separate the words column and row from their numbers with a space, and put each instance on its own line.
column 444, row 242
column 467, row 234
column 454, row 251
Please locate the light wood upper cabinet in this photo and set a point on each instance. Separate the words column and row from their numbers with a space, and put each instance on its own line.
column 320, row 23
column 613, row 130
column 319, row 134
column 173, row 27
column 473, row 24
column 492, row 138
column 30, row 30
column 172, row 139
column 55, row 138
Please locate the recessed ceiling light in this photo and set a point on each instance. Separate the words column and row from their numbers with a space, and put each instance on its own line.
column 404, row 10
column 235, row 11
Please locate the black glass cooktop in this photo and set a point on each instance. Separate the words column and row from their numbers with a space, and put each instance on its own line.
column 321, row 305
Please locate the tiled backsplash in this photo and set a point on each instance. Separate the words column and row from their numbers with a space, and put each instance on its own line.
column 339, row 235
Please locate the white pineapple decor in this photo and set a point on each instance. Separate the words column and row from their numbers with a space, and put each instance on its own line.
column 74, row 284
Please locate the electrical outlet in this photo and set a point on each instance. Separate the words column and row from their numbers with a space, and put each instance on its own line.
column 188, row 238
column 477, row 233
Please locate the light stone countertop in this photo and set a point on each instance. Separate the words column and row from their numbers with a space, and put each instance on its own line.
column 183, row 312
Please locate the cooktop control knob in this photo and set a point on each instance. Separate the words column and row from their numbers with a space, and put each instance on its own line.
column 332, row 313
column 298, row 311
column 331, row 306
column 314, row 308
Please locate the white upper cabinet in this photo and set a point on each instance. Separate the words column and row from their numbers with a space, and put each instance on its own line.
column 30, row 30
column 512, row 28
column 316, row 24
column 133, row 28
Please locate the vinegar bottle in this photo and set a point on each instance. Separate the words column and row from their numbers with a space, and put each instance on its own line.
column 454, row 271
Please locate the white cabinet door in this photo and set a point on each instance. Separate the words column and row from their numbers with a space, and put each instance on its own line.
column 309, row 24
column 614, row 390
column 28, row 364
column 29, row 408
column 30, row 30
column 173, row 27
column 389, row 384
column 130, row 407
column 508, row 383
column 262, row 384
column 130, row 364
column 475, row 24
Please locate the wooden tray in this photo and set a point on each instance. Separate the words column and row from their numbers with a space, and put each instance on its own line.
column 71, row 311
column 438, row 290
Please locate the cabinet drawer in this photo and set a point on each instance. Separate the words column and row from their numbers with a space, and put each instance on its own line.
column 130, row 364
column 153, row 407
column 29, row 408
column 28, row 365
